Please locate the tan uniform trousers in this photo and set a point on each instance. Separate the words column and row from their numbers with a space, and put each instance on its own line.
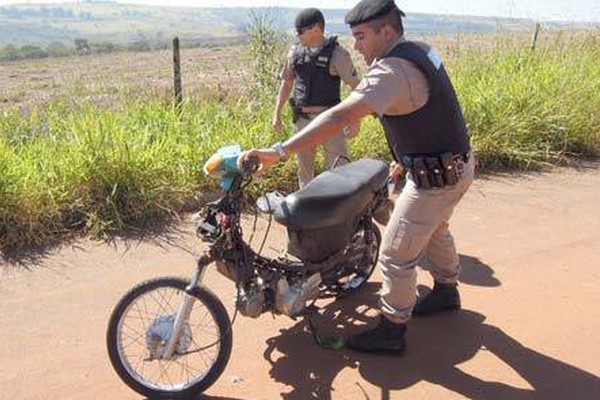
column 418, row 234
column 334, row 148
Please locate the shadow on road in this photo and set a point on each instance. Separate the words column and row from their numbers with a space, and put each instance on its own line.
column 161, row 234
column 476, row 273
column 437, row 345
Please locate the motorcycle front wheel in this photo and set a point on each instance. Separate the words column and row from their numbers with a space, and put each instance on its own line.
column 142, row 323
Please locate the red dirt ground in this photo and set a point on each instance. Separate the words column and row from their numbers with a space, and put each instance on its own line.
column 529, row 328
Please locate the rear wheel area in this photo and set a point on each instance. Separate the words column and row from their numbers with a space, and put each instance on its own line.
column 363, row 253
column 142, row 323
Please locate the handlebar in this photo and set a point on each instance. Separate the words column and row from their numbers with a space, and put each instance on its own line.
column 250, row 165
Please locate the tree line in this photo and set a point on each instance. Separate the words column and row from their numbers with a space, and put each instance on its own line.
column 64, row 13
column 82, row 47
column 79, row 47
column 44, row 12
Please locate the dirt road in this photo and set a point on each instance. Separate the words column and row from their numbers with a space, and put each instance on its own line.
column 529, row 329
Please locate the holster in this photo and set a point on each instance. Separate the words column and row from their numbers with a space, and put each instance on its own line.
column 296, row 110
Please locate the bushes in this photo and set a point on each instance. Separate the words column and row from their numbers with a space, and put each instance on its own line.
column 11, row 53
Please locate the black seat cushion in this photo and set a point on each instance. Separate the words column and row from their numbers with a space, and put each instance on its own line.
column 333, row 196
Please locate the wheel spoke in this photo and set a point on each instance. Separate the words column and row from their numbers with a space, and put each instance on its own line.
column 145, row 316
column 132, row 339
column 162, row 302
column 166, row 369
column 185, row 365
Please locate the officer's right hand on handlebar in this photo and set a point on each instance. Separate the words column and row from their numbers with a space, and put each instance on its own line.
column 266, row 158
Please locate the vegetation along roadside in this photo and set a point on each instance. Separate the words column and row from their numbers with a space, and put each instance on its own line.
column 72, row 165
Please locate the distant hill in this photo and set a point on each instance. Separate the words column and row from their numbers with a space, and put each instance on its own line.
column 104, row 21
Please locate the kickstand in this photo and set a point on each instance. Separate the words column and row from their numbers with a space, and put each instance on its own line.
column 327, row 342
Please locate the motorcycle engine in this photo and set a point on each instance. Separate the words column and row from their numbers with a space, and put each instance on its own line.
column 251, row 301
column 291, row 299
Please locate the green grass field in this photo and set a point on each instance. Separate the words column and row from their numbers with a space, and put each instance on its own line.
column 71, row 166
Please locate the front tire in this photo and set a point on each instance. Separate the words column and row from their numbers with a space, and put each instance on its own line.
column 144, row 314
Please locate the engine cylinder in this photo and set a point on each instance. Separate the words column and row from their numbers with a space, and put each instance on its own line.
column 291, row 300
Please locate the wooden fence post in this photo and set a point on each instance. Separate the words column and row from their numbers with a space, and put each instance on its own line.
column 538, row 26
column 177, row 73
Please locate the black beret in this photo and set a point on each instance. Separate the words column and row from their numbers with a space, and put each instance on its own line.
column 367, row 10
column 308, row 17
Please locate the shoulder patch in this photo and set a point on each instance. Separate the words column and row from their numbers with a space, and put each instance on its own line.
column 435, row 58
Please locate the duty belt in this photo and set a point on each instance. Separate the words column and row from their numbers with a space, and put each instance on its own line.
column 436, row 170
column 312, row 109
column 464, row 157
column 307, row 112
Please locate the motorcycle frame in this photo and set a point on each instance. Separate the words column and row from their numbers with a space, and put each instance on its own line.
column 234, row 195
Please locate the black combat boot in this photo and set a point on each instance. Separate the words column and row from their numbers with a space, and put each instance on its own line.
column 443, row 297
column 386, row 337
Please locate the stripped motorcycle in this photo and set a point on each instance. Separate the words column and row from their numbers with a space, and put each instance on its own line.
column 172, row 337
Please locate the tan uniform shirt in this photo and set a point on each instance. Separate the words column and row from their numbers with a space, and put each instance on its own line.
column 341, row 65
column 393, row 86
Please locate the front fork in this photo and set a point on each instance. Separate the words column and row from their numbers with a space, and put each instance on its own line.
column 186, row 305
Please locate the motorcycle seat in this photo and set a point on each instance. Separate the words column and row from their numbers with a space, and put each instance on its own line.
column 334, row 196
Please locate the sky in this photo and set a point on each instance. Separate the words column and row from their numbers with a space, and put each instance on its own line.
column 539, row 10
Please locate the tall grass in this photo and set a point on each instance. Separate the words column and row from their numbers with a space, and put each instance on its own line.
column 526, row 108
column 102, row 169
column 266, row 46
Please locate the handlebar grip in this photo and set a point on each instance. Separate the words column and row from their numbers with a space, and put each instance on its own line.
column 251, row 164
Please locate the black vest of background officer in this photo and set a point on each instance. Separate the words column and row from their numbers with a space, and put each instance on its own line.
column 438, row 126
column 315, row 86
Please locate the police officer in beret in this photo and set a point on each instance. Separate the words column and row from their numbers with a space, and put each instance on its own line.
column 313, row 71
column 407, row 86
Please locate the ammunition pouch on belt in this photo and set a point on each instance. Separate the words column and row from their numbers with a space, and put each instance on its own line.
column 297, row 112
column 435, row 170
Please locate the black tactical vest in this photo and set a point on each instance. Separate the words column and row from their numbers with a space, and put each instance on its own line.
column 314, row 85
column 439, row 125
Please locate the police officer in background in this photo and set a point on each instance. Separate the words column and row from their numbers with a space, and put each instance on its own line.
column 407, row 86
column 314, row 69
